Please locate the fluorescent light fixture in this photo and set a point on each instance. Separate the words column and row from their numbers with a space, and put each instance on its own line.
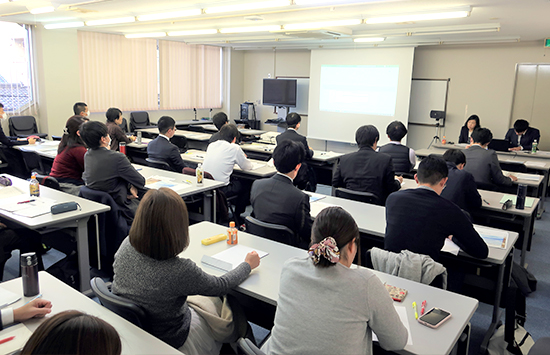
column 418, row 17
column 3, row 1
column 42, row 10
column 245, row 7
column 250, row 29
column 146, row 35
column 369, row 39
column 53, row 26
column 111, row 21
column 324, row 24
column 173, row 14
column 193, row 32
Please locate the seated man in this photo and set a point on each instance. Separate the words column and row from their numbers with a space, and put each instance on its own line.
column 461, row 187
column 220, row 158
column 403, row 157
column 219, row 119
column 293, row 120
column 521, row 137
column 276, row 200
column 420, row 219
column 367, row 170
column 483, row 163
column 110, row 171
column 81, row 109
column 162, row 149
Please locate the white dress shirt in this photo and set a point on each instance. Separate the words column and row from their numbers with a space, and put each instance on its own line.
column 220, row 158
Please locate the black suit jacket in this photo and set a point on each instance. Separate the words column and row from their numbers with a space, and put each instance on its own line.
column 214, row 137
column 484, row 166
column 526, row 139
column 461, row 189
column 303, row 177
column 464, row 135
column 366, row 171
column 10, row 141
column 161, row 149
column 276, row 200
column 419, row 220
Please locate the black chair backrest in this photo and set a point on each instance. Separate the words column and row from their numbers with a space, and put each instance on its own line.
column 124, row 125
column 518, row 168
column 125, row 308
column 158, row 164
column 276, row 232
column 360, row 196
column 139, row 119
column 180, row 142
column 48, row 181
column 24, row 126
column 33, row 162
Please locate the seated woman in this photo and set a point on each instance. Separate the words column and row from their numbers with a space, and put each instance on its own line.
column 114, row 119
column 326, row 307
column 68, row 165
column 149, row 272
column 466, row 131
column 74, row 332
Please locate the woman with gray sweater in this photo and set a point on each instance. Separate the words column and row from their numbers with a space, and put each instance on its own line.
column 326, row 307
column 149, row 272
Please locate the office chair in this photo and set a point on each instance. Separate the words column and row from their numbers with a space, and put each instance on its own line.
column 33, row 162
column 139, row 119
column 24, row 126
column 48, row 181
column 124, row 125
column 125, row 308
column 180, row 142
column 515, row 167
column 158, row 164
column 360, row 196
column 276, row 232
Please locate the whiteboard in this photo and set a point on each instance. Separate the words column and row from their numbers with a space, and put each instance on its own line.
column 427, row 95
column 302, row 94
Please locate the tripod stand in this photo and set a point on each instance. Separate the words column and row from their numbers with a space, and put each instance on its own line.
column 436, row 137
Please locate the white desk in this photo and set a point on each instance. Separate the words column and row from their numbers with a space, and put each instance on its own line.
column 267, row 150
column 78, row 219
column 243, row 131
column 190, row 135
column 45, row 148
column 263, row 284
column 188, row 187
column 63, row 297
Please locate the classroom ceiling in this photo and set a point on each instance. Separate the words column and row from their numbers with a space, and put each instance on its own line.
column 488, row 21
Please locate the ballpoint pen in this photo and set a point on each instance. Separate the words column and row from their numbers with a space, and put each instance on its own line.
column 415, row 311
column 487, row 202
column 423, row 308
column 22, row 202
column 35, row 297
column 7, row 339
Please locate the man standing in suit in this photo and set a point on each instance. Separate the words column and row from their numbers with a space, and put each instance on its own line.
column 293, row 120
column 110, row 171
column 483, row 163
column 276, row 200
column 367, row 170
column 403, row 157
column 219, row 119
column 162, row 149
column 461, row 186
column 521, row 137
column 420, row 219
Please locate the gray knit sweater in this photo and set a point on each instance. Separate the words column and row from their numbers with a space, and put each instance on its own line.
column 162, row 287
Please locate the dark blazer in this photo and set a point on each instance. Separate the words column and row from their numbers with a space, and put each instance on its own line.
column 464, row 135
column 276, row 200
column 484, row 166
column 214, row 137
column 400, row 158
column 526, row 139
column 461, row 189
column 303, row 176
column 419, row 220
column 160, row 148
column 10, row 141
column 366, row 171
column 110, row 171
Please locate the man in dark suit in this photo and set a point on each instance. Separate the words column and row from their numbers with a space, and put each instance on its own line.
column 293, row 120
column 461, row 186
column 220, row 119
column 276, row 200
column 521, row 136
column 483, row 163
column 162, row 149
column 110, row 171
column 367, row 170
column 420, row 219
column 403, row 157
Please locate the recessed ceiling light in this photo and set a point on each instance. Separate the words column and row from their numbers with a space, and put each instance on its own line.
column 193, row 32
column 249, row 6
column 111, row 21
column 315, row 25
column 53, row 26
column 251, row 29
column 173, row 14
column 418, row 17
column 42, row 10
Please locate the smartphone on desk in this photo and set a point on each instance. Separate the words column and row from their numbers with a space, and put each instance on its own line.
column 434, row 317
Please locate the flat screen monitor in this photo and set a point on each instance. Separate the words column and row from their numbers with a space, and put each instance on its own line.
column 280, row 92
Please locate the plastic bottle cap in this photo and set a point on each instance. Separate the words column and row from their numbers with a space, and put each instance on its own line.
column 232, row 224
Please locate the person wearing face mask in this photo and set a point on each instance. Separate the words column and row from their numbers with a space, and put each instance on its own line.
column 81, row 109
column 110, row 171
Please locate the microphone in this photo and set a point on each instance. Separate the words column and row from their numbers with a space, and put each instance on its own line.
column 194, row 109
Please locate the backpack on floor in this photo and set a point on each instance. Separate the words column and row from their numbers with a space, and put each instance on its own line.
column 66, row 270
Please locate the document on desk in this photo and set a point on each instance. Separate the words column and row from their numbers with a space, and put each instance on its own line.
column 522, row 176
column 198, row 156
column 26, row 206
column 539, row 164
column 230, row 258
column 493, row 238
column 21, row 334
column 529, row 201
column 8, row 297
column 10, row 191
column 402, row 313
column 315, row 197
column 512, row 161
column 254, row 166
column 317, row 207
column 155, row 182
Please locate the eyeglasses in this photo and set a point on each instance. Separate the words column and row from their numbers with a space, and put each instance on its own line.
column 508, row 204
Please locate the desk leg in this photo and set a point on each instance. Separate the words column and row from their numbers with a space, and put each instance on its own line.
column 83, row 257
column 544, row 188
column 527, row 235
column 209, row 206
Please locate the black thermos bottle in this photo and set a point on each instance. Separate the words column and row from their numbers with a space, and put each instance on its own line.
column 520, row 200
column 29, row 274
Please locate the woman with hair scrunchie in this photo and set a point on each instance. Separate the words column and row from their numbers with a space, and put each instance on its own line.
column 326, row 307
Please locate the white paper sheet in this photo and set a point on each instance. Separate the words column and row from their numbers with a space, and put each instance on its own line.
column 21, row 334
column 8, row 297
column 38, row 205
column 317, row 207
column 156, row 182
column 450, row 247
column 402, row 313
column 10, row 191
column 493, row 238
column 236, row 254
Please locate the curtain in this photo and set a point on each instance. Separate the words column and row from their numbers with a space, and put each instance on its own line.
column 190, row 76
column 118, row 72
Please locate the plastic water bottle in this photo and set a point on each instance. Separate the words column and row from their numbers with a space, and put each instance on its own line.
column 444, row 140
column 534, row 147
column 232, row 234
column 34, row 186
column 29, row 274
column 200, row 174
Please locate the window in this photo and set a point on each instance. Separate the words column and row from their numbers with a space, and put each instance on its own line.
column 16, row 89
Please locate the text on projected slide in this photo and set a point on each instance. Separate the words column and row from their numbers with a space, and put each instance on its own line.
column 364, row 89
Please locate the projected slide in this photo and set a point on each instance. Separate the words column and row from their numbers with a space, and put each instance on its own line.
column 363, row 89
